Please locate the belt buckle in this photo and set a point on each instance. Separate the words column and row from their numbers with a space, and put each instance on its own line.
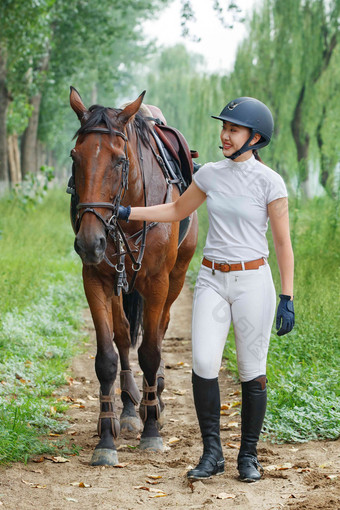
column 225, row 267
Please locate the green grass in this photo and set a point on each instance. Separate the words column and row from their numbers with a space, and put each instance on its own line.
column 303, row 366
column 41, row 299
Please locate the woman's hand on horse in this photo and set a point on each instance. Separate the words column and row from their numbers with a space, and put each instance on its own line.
column 124, row 212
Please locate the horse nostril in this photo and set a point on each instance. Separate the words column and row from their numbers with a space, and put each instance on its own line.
column 101, row 245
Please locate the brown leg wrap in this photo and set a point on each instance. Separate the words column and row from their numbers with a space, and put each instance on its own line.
column 128, row 384
column 110, row 414
column 145, row 403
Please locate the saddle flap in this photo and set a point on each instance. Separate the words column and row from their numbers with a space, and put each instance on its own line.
column 178, row 148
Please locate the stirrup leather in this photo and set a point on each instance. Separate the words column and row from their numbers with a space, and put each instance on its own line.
column 110, row 414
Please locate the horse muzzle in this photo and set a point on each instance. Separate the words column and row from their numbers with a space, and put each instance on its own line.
column 90, row 250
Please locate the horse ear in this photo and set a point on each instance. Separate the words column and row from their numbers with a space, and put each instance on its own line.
column 131, row 109
column 77, row 104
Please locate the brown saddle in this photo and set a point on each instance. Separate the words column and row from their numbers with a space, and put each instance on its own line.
column 176, row 144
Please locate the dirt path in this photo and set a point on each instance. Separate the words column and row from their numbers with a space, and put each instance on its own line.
column 307, row 483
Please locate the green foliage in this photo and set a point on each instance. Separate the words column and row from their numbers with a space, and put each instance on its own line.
column 41, row 301
column 302, row 368
column 33, row 188
column 290, row 60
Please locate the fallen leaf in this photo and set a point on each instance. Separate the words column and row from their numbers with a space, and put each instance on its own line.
column 278, row 467
column 332, row 477
column 159, row 495
column 225, row 495
column 34, row 485
column 152, row 482
column 225, row 406
column 64, row 399
column 59, row 460
column 173, row 440
column 233, row 424
column 72, row 499
column 236, row 392
column 303, row 470
column 78, row 406
column 38, row 459
column 180, row 392
column 234, row 445
column 122, row 465
column 51, row 434
column 236, row 403
column 235, row 413
column 124, row 446
column 92, row 398
column 84, row 485
column 154, row 477
column 91, row 357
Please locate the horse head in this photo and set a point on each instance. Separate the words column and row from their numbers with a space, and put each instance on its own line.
column 101, row 165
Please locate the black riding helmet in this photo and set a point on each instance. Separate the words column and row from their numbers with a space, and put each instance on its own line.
column 251, row 113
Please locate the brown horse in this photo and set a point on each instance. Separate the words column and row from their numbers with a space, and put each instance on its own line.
column 116, row 160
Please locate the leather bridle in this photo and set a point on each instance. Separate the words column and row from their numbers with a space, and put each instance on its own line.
column 112, row 227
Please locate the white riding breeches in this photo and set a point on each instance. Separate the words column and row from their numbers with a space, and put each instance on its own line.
column 245, row 298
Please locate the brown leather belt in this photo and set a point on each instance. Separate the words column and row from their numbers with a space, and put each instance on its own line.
column 225, row 267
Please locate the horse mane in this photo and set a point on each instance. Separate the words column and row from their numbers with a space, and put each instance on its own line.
column 99, row 115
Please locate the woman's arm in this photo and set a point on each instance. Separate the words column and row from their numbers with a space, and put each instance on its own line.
column 191, row 199
column 279, row 221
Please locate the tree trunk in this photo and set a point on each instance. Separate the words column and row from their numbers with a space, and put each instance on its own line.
column 29, row 162
column 14, row 159
column 4, row 101
column 29, row 145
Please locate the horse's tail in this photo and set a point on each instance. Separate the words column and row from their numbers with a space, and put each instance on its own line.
column 133, row 308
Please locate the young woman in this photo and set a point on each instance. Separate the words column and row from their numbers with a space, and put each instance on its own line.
column 234, row 283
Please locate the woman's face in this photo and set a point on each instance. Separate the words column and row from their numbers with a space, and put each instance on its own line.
column 233, row 137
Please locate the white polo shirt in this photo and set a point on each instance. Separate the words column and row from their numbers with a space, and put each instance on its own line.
column 237, row 197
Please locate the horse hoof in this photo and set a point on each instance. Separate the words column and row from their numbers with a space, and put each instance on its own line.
column 104, row 457
column 154, row 444
column 130, row 426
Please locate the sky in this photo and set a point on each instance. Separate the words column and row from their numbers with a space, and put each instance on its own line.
column 218, row 44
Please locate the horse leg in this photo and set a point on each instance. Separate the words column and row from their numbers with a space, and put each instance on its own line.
column 149, row 354
column 130, row 395
column 99, row 295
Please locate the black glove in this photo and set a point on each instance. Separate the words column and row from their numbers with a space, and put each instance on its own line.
column 285, row 312
column 124, row 212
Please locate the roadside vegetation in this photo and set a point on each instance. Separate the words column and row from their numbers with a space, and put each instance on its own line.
column 41, row 300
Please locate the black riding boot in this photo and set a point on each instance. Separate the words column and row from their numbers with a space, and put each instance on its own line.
column 254, row 401
column 207, row 404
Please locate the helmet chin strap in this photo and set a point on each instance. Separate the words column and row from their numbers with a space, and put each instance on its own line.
column 245, row 147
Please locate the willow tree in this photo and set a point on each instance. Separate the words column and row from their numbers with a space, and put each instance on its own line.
column 287, row 61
